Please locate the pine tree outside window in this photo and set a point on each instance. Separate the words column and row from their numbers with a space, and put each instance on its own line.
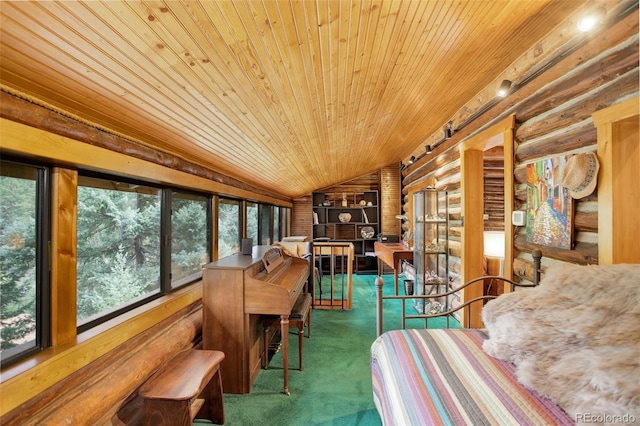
column 229, row 227
column 119, row 243
column 24, row 278
column 190, row 237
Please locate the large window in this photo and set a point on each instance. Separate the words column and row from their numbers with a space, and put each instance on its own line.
column 190, row 236
column 118, row 259
column 24, row 278
column 135, row 242
column 229, row 227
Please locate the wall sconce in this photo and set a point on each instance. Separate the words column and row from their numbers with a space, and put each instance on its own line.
column 411, row 160
column 590, row 21
column 428, row 149
column 504, row 88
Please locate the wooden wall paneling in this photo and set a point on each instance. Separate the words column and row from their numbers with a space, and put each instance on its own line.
column 390, row 199
column 301, row 216
column 508, row 148
column 524, row 269
column 472, row 254
column 569, row 139
column 64, row 213
column 616, row 59
column 618, row 189
column 566, row 114
column 493, row 167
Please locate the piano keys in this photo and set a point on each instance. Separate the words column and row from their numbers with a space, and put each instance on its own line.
column 237, row 290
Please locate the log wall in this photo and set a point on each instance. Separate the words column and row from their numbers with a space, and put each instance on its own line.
column 390, row 200
column 105, row 391
column 553, row 118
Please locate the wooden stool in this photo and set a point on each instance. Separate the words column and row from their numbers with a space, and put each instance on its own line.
column 299, row 317
column 189, row 383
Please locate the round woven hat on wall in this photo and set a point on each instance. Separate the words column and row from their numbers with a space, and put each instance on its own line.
column 580, row 174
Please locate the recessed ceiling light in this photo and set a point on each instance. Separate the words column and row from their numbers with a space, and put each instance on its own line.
column 590, row 21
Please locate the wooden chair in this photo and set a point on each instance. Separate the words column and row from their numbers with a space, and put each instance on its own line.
column 299, row 318
column 189, row 383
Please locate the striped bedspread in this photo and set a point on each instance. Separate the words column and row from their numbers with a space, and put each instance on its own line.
column 443, row 377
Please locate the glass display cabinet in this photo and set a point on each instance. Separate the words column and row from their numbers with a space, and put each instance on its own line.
column 431, row 249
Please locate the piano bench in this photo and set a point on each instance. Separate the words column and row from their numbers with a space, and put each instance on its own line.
column 299, row 318
column 189, row 383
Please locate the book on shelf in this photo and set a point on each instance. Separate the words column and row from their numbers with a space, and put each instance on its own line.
column 315, row 218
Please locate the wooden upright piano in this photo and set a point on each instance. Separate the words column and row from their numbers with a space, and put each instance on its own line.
column 237, row 290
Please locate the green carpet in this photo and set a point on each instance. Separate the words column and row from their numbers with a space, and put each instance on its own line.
column 335, row 386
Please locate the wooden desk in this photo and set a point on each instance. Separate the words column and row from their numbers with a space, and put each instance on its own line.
column 392, row 254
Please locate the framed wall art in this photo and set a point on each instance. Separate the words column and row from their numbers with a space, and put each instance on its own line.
column 549, row 219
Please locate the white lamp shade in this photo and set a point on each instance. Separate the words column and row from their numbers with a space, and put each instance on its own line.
column 494, row 244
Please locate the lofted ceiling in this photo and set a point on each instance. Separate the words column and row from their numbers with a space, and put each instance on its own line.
column 290, row 95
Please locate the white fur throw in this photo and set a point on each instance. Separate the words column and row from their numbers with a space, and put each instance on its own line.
column 575, row 338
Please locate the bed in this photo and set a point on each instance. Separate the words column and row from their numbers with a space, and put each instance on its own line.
column 564, row 352
column 425, row 377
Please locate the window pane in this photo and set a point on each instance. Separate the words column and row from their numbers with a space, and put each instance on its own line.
column 118, row 245
column 265, row 224
column 228, row 227
column 18, row 259
column 189, row 237
column 276, row 224
column 252, row 222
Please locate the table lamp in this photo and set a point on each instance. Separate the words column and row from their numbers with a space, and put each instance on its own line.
column 494, row 247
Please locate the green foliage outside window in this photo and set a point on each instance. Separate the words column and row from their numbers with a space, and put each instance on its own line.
column 228, row 227
column 17, row 262
column 118, row 248
column 252, row 222
column 189, row 236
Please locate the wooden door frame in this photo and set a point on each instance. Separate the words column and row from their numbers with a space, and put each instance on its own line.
column 472, row 200
column 618, row 192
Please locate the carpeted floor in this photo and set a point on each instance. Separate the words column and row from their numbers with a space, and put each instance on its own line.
column 335, row 386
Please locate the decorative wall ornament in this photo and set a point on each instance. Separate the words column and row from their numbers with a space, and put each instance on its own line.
column 549, row 205
column 580, row 174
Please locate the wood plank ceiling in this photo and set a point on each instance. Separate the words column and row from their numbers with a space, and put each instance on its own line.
column 289, row 95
